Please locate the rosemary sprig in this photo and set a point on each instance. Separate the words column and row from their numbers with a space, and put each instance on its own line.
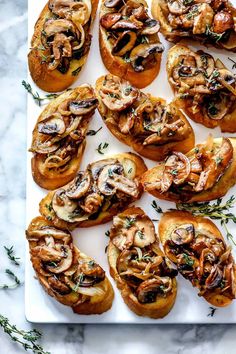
column 28, row 339
column 14, row 277
column 10, row 253
column 102, row 147
column 93, row 132
column 156, row 207
column 212, row 311
column 234, row 63
column 35, row 94
column 216, row 211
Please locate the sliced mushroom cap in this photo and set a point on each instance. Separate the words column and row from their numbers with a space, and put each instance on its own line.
column 124, row 43
column 205, row 62
column 45, row 147
column 35, row 235
column 80, row 186
column 96, row 167
column 215, row 278
column 223, row 21
column 80, row 107
column 145, row 234
column 109, row 19
column 123, row 25
column 53, row 124
column 91, row 269
column 64, row 263
column 148, row 290
column 141, row 52
column 177, row 7
column 51, row 27
column 217, row 106
column 58, row 286
column 183, row 235
column 112, row 3
column 67, row 209
column 151, row 27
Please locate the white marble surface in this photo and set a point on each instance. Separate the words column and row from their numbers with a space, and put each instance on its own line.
column 62, row 339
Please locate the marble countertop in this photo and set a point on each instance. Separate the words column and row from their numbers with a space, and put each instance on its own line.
column 64, row 339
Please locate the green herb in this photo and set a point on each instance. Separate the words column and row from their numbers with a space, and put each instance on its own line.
column 110, row 172
column 107, row 233
column 93, row 132
column 130, row 170
column 144, row 39
column 148, row 258
column 113, row 95
column 129, row 221
column 174, row 172
column 128, row 89
column 78, row 283
column 140, row 234
column 14, row 277
column 28, row 339
column 49, row 206
column 156, row 207
column 91, row 264
column 212, row 311
column 234, row 63
column 213, row 35
column 52, row 264
column 76, row 71
column 216, row 211
column 212, row 109
column 102, row 147
column 196, row 150
column 36, row 96
column 126, row 58
column 106, row 249
column 188, row 260
column 10, row 253
column 215, row 74
column 218, row 160
column 187, row 2
column 44, row 58
column 192, row 13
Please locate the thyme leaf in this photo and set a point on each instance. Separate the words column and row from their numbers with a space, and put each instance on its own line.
column 212, row 311
column 16, row 283
column 156, row 207
column 102, row 147
column 93, row 132
column 35, row 94
column 234, row 63
column 10, row 253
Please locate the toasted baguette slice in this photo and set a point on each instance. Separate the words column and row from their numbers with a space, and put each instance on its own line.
column 129, row 43
column 208, row 94
column 206, row 22
column 59, row 137
column 67, row 274
column 198, row 249
column 142, row 273
column 127, row 120
column 105, row 188
column 190, row 178
column 61, row 43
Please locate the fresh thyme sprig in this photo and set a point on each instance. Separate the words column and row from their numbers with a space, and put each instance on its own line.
column 102, row 147
column 212, row 311
column 234, row 63
column 93, row 132
column 10, row 253
column 35, row 94
column 14, row 277
column 156, row 207
column 216, row 211
column 28, row 339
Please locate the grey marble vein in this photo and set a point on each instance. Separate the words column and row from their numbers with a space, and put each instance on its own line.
column 61, row 339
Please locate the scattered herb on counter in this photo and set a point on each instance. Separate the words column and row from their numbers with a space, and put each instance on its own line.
column 216, row 211
column 35, row 94
column 107, row 233
column 156, row 207
column 212, row 311
column 234, row 63
column 17, row 281
column 93, row 132
column 102, row 147
column 28, row 339
column 10, row 253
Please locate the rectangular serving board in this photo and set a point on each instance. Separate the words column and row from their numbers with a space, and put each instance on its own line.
column 40, row 307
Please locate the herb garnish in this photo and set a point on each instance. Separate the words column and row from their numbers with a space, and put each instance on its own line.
column 212, row 311
column 218, row 160
column 188, row 260
column 130, row 170
column 10, row 253
column 76, row 71
column 214, row 36
column 35, row 94
column 129, row 221
column 49, row 206
column 78, row 283
column 14, row 277
column 107, row 233
column 102, row 147
column 234, row 63
column 128, row 89
column 140, row 234
column 192, row 13
column 187, row 2
column 91, row 263
column 28, row 339
column 215, row 211
column 156, row 207
column 93, row 132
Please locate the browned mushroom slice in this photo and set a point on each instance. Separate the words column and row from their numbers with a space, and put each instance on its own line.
column 203, row 17
column 58, row 259
column 205, row 62
column 112, row 3
column 96, row 167
column 223, row 21
column 148, row 290
column 80, row 186
column 51, row 27
column 77, row 11
column 217, row 106
column 124, row 43
column 141, row 52
column 214, row 279
column 53, row 124
column 81, row 107
column 145, row 233
column 183, row 234
column 37, row 234
column 151, row 27
column 177, row 7
column 121, row 235
column 109, row 19
column 127, row 25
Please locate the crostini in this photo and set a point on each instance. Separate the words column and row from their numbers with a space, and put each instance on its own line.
column 129, row 42
column 61, row 43
column 67, row 274
column 196, row 246
column 148, row 124
column 141, row 271
column 59, row 137
column 205, row 88
column 209, row 22
column 205, row 173
column 95, row 195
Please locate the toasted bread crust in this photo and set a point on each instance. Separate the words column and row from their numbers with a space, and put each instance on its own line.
column 47, row 80
column 158, row 309
column 102, row 217
column 217, row 191
column 95, row 304
column 172, row 219
column 153, row 152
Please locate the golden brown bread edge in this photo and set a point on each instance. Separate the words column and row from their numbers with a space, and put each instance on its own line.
column 158, row 309
column 96, row 305
column 219, row 190
column 52, row 81
column 104, row 216
column 159, row 14
column 117, row 66
column 153, row 152
column 170, row 220
column 226, row 124
column 56, row 180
